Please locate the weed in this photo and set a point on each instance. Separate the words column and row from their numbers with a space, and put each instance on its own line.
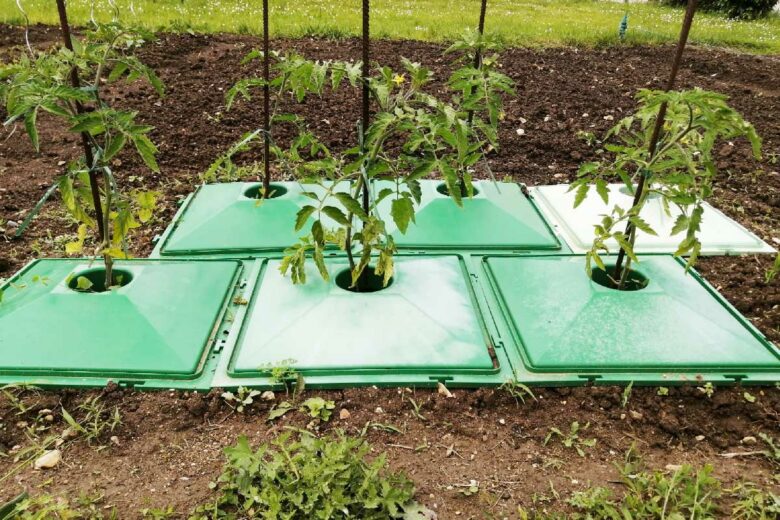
column 158, row 513
column 308, row 477
column 708, row 389
column 13, row 395
column 571, row 439
column 96, row 419
column 318, row 408
column 517, row 390
column 48, row 507
column 243, row 398
column 772, row 453
column 753, row 503
column 771, row 273
column 626, row 395
column 416, row 410
column 280, row 410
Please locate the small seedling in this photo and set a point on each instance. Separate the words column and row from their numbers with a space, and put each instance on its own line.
column 96, row 419
column 318, row 408
column 753, row 503
column 279, row 410
column 416, row 409
column 472, row 488
column 626, row 395
column 771, row 273
column 517, row 390
column 242, row 399
column 772, row 453
column 572, row 439
column 708, row 389
column 662, row 391
column 750, row 398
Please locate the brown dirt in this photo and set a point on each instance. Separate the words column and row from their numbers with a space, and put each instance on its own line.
column 168, row 447
column 169, row 443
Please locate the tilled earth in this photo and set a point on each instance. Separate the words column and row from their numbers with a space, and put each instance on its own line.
column 169, row 443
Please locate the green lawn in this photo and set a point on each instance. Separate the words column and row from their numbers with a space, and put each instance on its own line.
column 521, row 22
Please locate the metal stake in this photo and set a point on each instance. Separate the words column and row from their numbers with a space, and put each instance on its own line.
column 659, row 123
column 89, row 157
column 266, row 107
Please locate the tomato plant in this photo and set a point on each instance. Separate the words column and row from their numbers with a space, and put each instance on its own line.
column 67, row 83
column 681, row 169
column 430, row 136
column 294, row 77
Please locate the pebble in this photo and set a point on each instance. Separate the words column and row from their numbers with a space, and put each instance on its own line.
column 268, row 396
column 48, row 460
column 502, row 421
column 379, row 410
column 444, row 391
column 115, row 440
column 344, row 414
column 637, row 416
column 749, row 440
column 699, row 438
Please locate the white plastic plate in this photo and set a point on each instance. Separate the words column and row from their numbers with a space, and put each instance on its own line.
column 719, row 234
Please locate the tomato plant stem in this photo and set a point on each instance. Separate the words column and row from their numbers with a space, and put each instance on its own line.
column 74, row 79
column 630, row 232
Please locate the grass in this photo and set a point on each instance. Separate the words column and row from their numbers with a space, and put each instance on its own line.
column 526, row 23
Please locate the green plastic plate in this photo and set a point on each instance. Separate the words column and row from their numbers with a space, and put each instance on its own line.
column 158, row 325
column 564, row 322
column 425, row 321
column 498, row 216
column 221, row 218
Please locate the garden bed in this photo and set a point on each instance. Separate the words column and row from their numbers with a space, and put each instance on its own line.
column 170, row 442
column 561, row 92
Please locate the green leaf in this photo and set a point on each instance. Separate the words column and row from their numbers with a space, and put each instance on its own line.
column 30, row 125
column 279, row 410
column 115, row 144
column 402, row 211
column 336, row 214
column 582, row 192
column 303, row 215
column 602, row 189
column 681, row 224
column 642, row 225
column 352, row 205
column 146, row 150
column 317, row 232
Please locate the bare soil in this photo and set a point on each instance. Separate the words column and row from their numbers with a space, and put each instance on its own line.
column 169, row 445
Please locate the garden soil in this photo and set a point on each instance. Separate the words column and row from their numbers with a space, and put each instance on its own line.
column 169, row 445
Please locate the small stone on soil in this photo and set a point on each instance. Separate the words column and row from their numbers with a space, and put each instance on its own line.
column 48, row 460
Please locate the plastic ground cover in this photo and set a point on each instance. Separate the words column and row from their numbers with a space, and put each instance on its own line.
column 160, row 326
column 498, row 216
column 463, row 310
column 426, row 322
column 719, row 234
column 223, row 219
column 565, row 326
column 220, row 220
